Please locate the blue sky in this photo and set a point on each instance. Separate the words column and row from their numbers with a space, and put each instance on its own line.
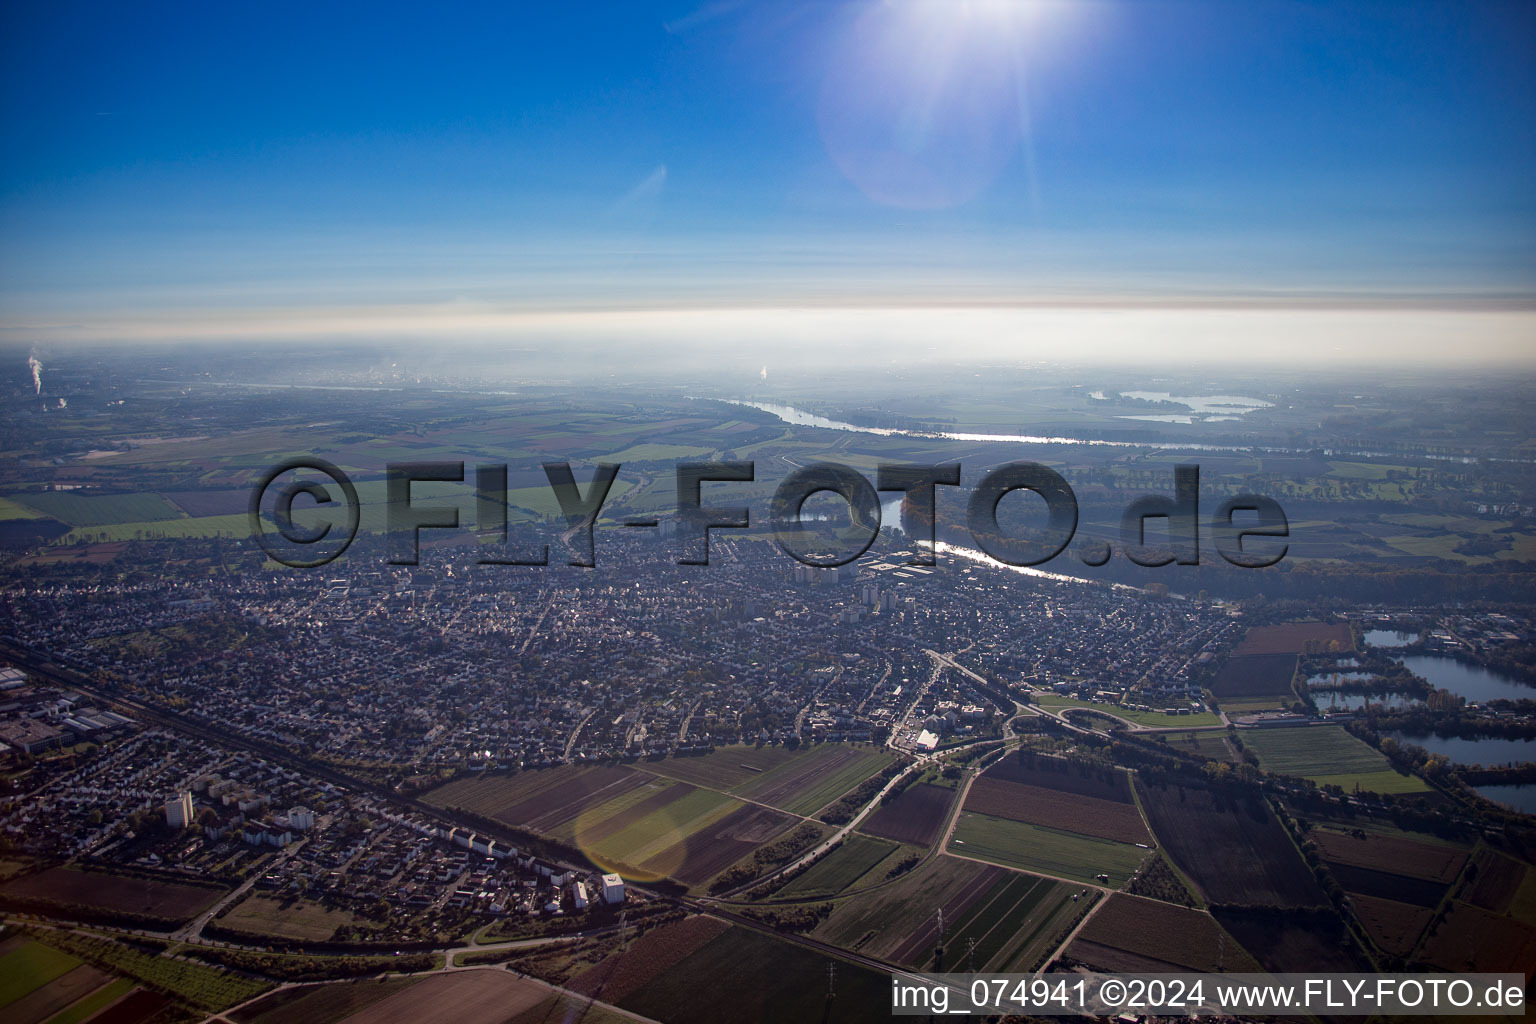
column 180, row 159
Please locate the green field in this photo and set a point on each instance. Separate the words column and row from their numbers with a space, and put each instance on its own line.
column 98, row 510
column 88, row 1007
column 31, row 967
column 1155, row 719
column 829, row 771
column 572, row 830
column 1014, row 926
column 10, row 510
column 858, row 856
column 1049, row 851
column 670, row 825
column 207, row 988
column 201, row 527
column 1328, row 755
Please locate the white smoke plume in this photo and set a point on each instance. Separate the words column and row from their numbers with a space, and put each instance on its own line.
column 763, row 373
column 36, row 366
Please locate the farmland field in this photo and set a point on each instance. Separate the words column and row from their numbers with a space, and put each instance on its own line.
column 649, row 955
column 915, row 815
column 567, row 1009
column 288, row 919
column 1473, row 939
column 896, row 922
column 1210, row 744
column 643, row 825
column 88, row 1007
column 840, row 869
column 770, row 979
column 1389, row 886
column 1255, row 675
column 211, row 503
column 462, row 997
column 98, row 509
column 807, row 784
column 1433, row 861
column 122, row 894
column 53, row 996
column 1495, row 882
column 1017, row 801
column 1093, row 780
column 1138, row 935
column 1049, row 851
column 1234, row 850
column 1327, row 754
column 1297, row 638
column 204, row 987
column 725, row 767
column 523, row 797
column 139, row 1005
column 29, row 966
column 653, row 847
column 1392, row 925
column 1293, row 941
column 1014, row 924
column 708, row 852
column 319, row 1004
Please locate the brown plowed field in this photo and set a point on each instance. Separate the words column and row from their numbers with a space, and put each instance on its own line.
column 140, row 1004
column 648, row 957
column 1388, row 886
column 549, row 796
column 565, row 802
column 123, row 894
column 1498, row 877
column 1470, row 939
column 1389, row 853
column 707, row 853
column 1255, row 675
column 487, row 996
column 1297, row 638
column 1393, row 926
column 1057, row 773
column 1071, row 812
column 1234, row 849
column 42, row 1003
column 1161, row 931
column 915, row 816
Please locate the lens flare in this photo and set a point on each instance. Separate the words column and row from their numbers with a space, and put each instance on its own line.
column 926, row 104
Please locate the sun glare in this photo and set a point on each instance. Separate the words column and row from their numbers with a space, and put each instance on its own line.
column 927, row 101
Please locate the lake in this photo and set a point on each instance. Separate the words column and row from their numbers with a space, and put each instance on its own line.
column 1389, row 638
column 1326, row 699
column 1469, row 681
column 1519, row 795
column 1483, row 750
